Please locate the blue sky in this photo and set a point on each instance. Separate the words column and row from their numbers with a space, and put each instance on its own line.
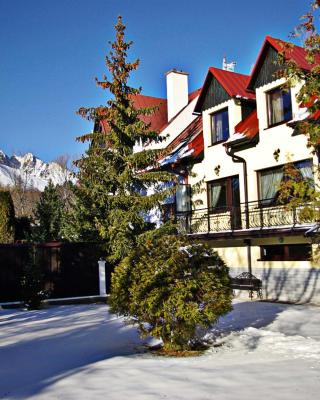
column 52, row 50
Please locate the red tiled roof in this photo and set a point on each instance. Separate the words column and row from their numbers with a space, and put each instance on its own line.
column 194, row 127
column 157, row 120
column 315, row 115
column 248, row 126
column 294, row 53
column 197, row 145
column 160, row 117
column 194, row 94
column 192, row 135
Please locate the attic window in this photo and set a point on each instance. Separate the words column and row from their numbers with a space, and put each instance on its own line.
column 279, row 106
column 219, row 126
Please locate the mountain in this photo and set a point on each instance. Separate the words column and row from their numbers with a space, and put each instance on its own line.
column 31, row 172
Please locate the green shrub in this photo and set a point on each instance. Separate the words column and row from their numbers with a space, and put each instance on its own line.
column 170, row 288
column 6, row 217
column 32, row 283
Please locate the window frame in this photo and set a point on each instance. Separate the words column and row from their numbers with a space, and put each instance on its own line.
column 268, row 103
column 229, row 194
column 212, row 142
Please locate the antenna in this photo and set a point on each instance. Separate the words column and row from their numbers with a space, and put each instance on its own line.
column 228, row 66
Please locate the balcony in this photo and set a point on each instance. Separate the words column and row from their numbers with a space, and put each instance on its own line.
column 254, row 216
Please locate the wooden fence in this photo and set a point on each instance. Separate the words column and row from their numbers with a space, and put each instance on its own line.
column 69, row 269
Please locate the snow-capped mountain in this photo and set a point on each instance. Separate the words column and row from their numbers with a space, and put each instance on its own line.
column 31, row 172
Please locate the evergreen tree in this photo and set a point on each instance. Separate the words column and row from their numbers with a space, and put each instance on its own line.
column 7, row 221
column 49, row 215
column 113, row 178
column 171, row 287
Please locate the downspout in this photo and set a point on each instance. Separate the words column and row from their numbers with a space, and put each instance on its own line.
column 238, row 159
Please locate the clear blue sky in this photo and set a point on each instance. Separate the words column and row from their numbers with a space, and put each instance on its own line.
column 50, row 52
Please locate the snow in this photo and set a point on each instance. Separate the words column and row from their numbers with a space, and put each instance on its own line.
column 236, row 136
column 31, row 171
column 261, row 350
column 301, row 114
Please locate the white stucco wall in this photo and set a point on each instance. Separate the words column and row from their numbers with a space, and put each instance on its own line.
column 294, row 281
column 292, row 148
column 176, row 126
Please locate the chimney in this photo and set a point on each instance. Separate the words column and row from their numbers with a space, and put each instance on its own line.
column 177, row 91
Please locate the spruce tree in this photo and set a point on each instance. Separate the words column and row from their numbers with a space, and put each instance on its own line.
column 171, row 287
column 114, row 179
column 49, row 215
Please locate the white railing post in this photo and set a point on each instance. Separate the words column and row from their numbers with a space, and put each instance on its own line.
column 102, row 278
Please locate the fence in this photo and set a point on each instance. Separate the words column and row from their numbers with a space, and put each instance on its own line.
column 69, row 269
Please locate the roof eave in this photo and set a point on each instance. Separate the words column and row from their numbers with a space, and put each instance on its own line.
column 243, row 143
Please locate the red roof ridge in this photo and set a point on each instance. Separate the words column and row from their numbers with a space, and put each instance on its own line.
column 148, row 97
column 193, row 94
column 228, row 72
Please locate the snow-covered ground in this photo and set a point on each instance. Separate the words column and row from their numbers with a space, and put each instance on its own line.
column 263, row 351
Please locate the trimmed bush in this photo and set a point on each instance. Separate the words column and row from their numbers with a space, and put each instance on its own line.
column 170, row 288
column 6, row 217
column 32, row 283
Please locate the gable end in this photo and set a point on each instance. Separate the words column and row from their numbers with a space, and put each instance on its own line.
column 265, row 72
column 214, row 95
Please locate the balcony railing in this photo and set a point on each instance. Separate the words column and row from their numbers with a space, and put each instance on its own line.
column 252, row 215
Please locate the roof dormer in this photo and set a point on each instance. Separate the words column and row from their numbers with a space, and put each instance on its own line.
column 220, row 86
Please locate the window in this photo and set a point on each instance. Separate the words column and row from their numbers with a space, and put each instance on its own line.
column 286, row 252
column 219, row 126
column 183, row 198
column 279, row 106
column 271, row 179
column 223, row 196
column 217, row 192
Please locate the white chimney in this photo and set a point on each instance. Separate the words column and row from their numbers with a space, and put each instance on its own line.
column 177, row 92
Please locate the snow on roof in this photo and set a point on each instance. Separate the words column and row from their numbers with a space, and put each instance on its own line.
column 247, row 128
column 188, row 143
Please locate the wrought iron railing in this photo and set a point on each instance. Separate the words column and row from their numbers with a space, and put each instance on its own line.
column 252, row 215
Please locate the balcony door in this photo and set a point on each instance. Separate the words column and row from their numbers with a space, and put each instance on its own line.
column 224, row 196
